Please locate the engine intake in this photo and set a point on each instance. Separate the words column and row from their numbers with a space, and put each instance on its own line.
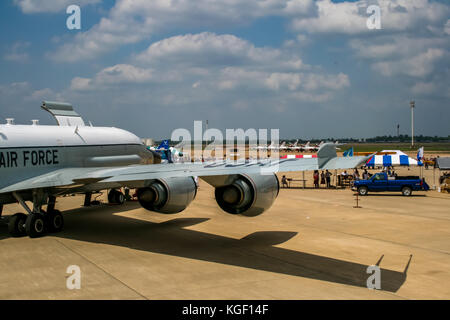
column 249, row 195
column 171, row 195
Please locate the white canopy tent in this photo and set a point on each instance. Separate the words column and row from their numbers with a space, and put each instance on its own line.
column 391, row 160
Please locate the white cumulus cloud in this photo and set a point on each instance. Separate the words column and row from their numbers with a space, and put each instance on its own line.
column 40, row 6
column 131, row 21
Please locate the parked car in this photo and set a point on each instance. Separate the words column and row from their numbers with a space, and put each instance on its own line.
column 382, row 182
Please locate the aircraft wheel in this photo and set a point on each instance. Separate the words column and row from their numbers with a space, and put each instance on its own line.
column 111, row 195
column 406, row 191
column 55, row 221
column 35, row 225
column 363, row 191
column 16, row 225
column 116, row 197
column 120, row 198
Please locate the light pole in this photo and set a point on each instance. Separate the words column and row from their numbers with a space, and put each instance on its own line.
column 412, row 104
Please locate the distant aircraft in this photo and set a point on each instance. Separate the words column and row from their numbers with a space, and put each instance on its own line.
column 269, row 147
column 316, row 147
column 282, row 147
column 295, row 147
column 166, row 152
column 273, row 147
column 294, row 144
column 39, row 163
column 309, row 147
column 164, row 145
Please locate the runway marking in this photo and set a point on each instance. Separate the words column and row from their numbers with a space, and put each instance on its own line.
column 102, row 269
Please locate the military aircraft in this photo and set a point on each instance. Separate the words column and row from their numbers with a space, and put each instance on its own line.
column 294, row 146
column 166, row 152
column 309, row 147
column 39, row 163
column 297, row 147
column 272, row 147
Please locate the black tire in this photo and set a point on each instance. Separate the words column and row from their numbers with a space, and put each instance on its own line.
column 119, row 198
column 112, row 196
column 406, row 191
column 16, row 225
column 116, row 197
column 55, row 221
column 363, row 191
column 35, row 225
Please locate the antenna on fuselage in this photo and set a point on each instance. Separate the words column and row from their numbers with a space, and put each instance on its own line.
column 63, row 113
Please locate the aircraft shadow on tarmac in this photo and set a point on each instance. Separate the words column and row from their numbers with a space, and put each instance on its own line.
column 395, row 195
column 99, row 224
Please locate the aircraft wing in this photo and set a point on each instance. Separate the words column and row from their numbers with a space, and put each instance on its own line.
column 131, row 175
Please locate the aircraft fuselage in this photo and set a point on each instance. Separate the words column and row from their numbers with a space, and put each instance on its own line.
column 27, row 151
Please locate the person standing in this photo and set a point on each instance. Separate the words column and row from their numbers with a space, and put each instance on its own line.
column 284, row 182
column 365, row 175
column 322, row 177
column 328, row 177
column 356, row 175
column 316, row 179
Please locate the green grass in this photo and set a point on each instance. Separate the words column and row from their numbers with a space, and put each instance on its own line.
column 406, row 147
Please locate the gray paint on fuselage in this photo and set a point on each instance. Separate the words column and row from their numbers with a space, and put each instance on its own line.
column 20, row 164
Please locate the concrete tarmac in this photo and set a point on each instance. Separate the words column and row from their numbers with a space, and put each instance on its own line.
column 311, row 244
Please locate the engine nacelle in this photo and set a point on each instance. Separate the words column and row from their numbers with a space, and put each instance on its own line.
column 169, row 195
column 249, row 195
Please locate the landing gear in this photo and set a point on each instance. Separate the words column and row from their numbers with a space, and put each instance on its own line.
column 37, row 222
column 35, row 225
column 2, row 219
column 55, row 221
column 16, row 225
column 87, row 199
column 116, row 197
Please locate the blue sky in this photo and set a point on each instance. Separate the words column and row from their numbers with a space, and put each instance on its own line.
column 309, row 68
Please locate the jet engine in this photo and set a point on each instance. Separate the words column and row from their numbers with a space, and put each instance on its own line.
column 249, row 195
column 168, row 195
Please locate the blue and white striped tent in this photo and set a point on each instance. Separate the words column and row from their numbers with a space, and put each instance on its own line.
column 398, row 159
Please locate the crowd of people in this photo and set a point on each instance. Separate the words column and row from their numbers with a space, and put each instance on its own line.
column 324, row 177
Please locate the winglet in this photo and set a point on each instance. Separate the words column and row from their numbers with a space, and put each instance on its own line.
column 328, row 159
column 369, row 158
column 326, row 152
